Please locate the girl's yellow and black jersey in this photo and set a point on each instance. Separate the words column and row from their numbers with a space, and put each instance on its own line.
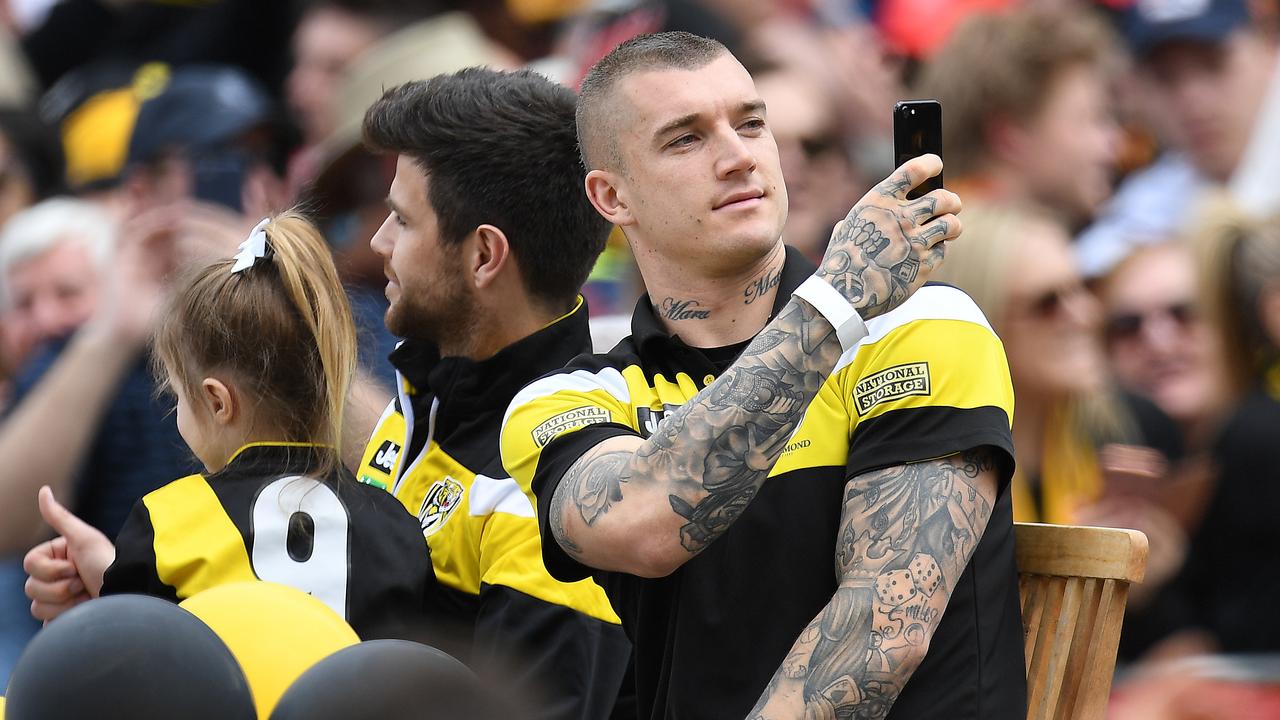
column 930, row 380
column 266, row 516
column 436, row 449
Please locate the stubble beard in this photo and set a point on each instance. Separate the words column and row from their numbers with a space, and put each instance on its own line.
column 443, row 319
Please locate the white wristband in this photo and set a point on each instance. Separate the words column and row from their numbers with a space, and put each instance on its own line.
column 835, row 308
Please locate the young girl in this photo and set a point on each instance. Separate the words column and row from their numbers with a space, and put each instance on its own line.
column 259, row 351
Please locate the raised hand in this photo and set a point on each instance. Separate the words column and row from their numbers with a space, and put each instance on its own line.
column 68, row 569
column 888, row 246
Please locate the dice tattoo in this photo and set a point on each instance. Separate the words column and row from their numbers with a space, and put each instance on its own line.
column 925, row 573
column 895, row 587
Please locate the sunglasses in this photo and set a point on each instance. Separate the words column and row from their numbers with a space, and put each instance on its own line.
column 1051, row 303
column 1127, row 326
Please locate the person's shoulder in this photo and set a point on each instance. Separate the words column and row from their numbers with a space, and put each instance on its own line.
column 586, row 372
column 937, row 349
column 180, row 501
column 934, row 303
column 177, row 487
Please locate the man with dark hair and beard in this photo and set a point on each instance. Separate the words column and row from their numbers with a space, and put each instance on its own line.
column 488, row 240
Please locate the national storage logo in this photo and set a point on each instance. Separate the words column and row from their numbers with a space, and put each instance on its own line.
column 891, row 384
column 568, row 420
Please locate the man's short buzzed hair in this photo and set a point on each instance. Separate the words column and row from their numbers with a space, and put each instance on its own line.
column 659, row 51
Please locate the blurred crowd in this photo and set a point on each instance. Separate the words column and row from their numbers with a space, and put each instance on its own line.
column 1119, row 161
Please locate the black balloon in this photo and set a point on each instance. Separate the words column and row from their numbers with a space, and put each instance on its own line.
column 127, row 656
column 388, row 680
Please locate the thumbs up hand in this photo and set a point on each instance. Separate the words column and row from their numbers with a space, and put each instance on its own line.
column 68, row 569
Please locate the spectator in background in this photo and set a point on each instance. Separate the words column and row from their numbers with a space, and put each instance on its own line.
column 331, row 35
column 350, row 190
column 1239, row 259
column 1157, row 340
column 54, row 261
column 1160, row 347
column 30, row 171
column 1208, row 610
column 87, row 308
column 144, row 138
column 1085, row 454
column 821, row 178
column 1017, row 264
column 1204, row 68
column 207, row 134
column 1026, row 111
column 52, row 258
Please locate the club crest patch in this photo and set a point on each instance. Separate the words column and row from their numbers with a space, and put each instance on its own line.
column 891, row 384
column 443, row 497
column 568, row 420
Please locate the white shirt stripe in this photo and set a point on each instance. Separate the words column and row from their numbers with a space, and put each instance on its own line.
column 932, row 302
column 490, row 495
column 608, row 379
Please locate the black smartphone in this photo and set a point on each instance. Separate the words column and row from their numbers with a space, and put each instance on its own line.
column 917, row 130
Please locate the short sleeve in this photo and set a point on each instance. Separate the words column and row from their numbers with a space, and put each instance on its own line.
column 931, row 380
column 548, row 426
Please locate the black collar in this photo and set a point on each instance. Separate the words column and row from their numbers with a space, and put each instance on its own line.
column 271, row 457
column 469, row 386
column 654, row 342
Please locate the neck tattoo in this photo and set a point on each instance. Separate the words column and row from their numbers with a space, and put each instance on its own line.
column 673, row 309
column 761, row 285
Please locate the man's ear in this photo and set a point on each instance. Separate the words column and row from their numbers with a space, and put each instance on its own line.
column 608, row 197
column 219, row 400
column 488, row 255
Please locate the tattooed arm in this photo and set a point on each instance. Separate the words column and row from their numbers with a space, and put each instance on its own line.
column 906, row 535
column 647, row 506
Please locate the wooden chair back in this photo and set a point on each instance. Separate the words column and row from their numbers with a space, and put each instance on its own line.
column 1074, row 582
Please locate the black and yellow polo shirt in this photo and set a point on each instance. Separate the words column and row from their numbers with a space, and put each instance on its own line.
column 265, row 516
column 436, row 449
column 929, row 381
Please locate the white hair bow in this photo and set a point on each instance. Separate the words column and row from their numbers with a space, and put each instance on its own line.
column 252, row 248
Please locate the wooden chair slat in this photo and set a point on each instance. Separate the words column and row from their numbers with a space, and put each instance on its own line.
column 1073, row 584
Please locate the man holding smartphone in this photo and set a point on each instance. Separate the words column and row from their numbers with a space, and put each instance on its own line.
column 887, row 440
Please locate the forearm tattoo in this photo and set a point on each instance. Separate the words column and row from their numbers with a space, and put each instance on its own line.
column 713, row 453
column 906, row 535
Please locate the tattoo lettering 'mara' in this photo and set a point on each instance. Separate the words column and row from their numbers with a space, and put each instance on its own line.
column 906, row 535
column 673, row 309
